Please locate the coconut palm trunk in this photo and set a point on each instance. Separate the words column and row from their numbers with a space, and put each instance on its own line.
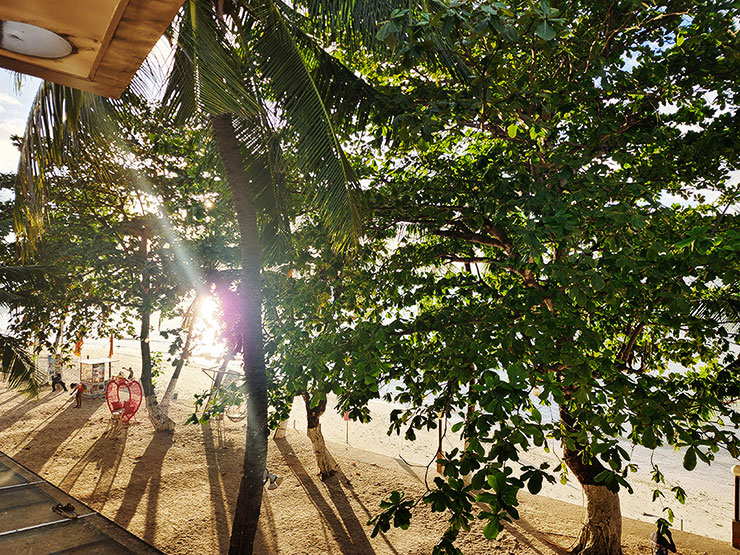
column 160, row 421
column 249, row 499
column 602, row 529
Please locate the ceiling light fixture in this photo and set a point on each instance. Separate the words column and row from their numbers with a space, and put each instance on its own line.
column 30, row 40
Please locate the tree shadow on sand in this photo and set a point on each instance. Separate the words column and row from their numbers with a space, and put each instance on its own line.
column 530, row 533
column 145, row 479
column 348, row 531
column 8, row 418
column 106, row 455
column 526, row 534
column 220, row 503
column 266, row 539
column 45, row 442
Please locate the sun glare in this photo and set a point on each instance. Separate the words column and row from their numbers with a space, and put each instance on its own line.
column 207, row 328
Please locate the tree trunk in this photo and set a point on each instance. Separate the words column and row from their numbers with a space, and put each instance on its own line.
column 602, row 530
column 160, row 421
column 60, row 334
column 188, row 321
column 468, row 478
column 327, row 465
column 249, row 499
column 281, row 431
column 220, row 375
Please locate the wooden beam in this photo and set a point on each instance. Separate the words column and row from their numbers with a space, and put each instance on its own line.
column 106, row 66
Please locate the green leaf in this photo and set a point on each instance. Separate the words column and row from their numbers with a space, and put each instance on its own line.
column 597, row 282
column 512, row 130
column 534, row 485
column 545, row 31
column 689, row 459
column 492, row 529
column 510, row 33
column 648, row 439
column 387, row 29
column 680, row 494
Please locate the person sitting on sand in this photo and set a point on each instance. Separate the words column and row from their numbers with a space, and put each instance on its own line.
column 57, row 380
column 77, row 389
column 662, row 542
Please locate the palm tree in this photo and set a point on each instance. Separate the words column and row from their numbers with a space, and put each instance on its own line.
column 250, row 71
column 277, row 90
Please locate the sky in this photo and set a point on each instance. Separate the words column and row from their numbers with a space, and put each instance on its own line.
column 14, row 108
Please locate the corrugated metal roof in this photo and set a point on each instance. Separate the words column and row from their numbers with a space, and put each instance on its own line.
column 30, row 526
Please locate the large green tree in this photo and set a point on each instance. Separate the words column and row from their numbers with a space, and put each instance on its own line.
column 19, row 285
column 578, row 157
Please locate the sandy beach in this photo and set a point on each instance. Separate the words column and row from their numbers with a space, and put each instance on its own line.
column 178, row 491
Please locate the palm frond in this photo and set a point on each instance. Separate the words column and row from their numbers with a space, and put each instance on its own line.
column 356, row 24
column 723, row 307
column 61, row 118
column 333, row 187
column 349, row 98
column 17, row 366
column 342, row 20
column 205, row 74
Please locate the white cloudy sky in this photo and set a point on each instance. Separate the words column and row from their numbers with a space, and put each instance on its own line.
column 14, row 108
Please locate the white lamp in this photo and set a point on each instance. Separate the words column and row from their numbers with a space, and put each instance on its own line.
column 23, row 38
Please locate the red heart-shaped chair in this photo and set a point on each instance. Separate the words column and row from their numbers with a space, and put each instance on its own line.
column 123, row 395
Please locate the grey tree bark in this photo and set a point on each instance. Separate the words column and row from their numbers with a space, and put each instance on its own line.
column 249, row 498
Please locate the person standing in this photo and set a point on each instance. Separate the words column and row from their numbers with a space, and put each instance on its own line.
column 57, row 380
column 77, row 389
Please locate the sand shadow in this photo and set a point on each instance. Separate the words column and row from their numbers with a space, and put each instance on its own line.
column 64, row 424
column 338, row 496
column 145, row 479
column 221, row 508
column 105, row 454
column 266, row 540
column 13, row 396
column 532, row 532
column 525, row 533
column 7, row 419
column 348, row 532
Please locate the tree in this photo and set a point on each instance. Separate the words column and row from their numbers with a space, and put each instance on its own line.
column 246, row 120
column 262, row 73
column 548, row 161
column 299, row 320
column 130, row 243
column 17, row 285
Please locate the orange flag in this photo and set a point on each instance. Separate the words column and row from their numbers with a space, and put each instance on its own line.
column 78, row 347
column 110, row 351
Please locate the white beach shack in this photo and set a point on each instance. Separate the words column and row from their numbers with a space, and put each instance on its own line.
column 93, row 375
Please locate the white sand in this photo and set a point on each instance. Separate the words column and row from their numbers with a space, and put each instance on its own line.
column 708, row 510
